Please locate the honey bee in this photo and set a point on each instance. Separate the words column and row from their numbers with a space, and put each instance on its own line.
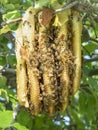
column 48, row 60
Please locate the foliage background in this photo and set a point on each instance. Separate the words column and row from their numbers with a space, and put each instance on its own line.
column 82, row 113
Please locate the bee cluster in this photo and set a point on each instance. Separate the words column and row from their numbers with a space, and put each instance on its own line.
column 47, row 60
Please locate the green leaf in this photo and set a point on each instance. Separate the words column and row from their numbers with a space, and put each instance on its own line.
column 61, row 1
column 63, row 17
column 93, row 83
column 5, row 29
column 41, row 3
column 4, row 1
column 2, row 60
column 55, row 5
column 53, row 1
column 57, row 1
column 20, row 127
column 4, row 94
column 5, row 118
column 25, row 119
column 14, row 1
column 91, row 46
column 12, row 60
column 11, row 15
column 2, row 107
column 87, row 103
column 76, row 119
column 39, row 122
column 10, row 6
column 2, row 82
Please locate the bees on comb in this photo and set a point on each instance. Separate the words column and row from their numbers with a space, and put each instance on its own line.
column 48, row 53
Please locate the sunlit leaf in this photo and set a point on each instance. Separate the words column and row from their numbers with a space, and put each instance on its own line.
column 41, row 3
column 11, row 15
column 61, row 18
column 2, row 107
column 57, row 1
column 5, row 118
column 5, row 29
column 91, row 46
column 4, row 94
column 2, row 82
column 53, row 1
column 14, row 1
column 20, row 127
column 10, row 6
column 93, row 83
column 55, row 5
column 4, row 1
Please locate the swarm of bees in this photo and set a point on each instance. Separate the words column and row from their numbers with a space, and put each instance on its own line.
column 48, row 53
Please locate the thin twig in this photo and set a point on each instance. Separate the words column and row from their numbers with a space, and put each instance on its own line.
column 66, row 7
column 11, row 21
column 94, row 40
column 93, row 72
column 7, row 70
column 91, row 60
column 87, row 8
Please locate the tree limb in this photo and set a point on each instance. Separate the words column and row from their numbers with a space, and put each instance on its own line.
column 87, row 8
column 6, row 71
column 11, row 21
column 91, row 60
column 93, row 72
column 66, row 7
column 92, row 39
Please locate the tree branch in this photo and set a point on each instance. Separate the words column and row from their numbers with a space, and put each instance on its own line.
column 11, row 21
column 93, row 72
column 87, row 8
column 91, row 60
column 67, row 7
column 8, row 71
column 92, row 39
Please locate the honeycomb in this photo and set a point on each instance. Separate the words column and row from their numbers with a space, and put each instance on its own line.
column 48, row 53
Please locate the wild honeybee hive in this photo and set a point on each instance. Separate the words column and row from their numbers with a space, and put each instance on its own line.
column 48, row 53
